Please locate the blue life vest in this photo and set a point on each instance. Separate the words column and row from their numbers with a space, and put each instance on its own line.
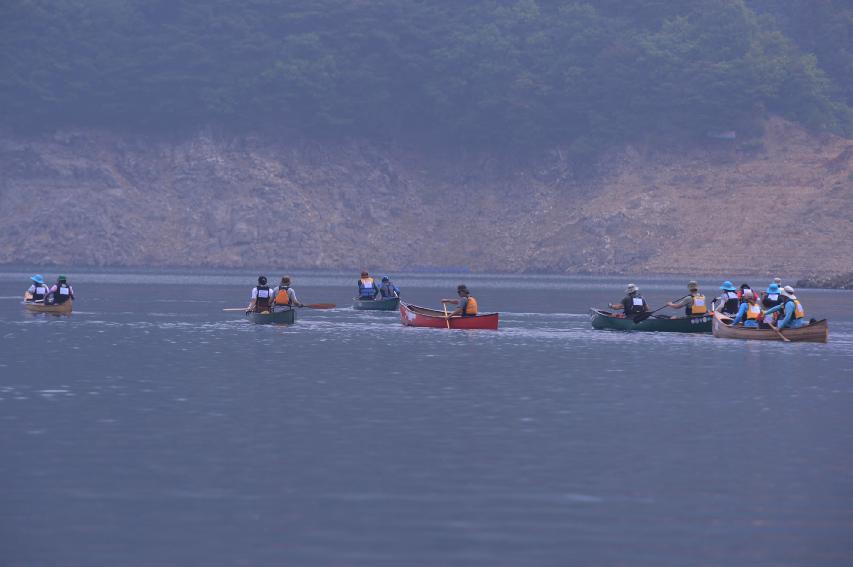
column 366, row 288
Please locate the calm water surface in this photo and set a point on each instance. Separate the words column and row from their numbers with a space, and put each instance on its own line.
column 151, row 428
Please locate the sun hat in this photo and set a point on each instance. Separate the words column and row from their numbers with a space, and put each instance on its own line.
column 692, row 284
column 632, row 288
column 38, row 278
column 748, row 294
column 788, row 291
column 773, row 288
column 778, row 281
column 61, row 278
column 728, row 286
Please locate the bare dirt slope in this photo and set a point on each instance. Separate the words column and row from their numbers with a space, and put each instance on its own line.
column 95, row 198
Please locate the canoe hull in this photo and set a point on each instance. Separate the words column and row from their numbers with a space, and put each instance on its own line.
column 605, row 320
column 285, row 317
column 414, row 316
column 390, row 304
column 64, row 309
column 817, row 332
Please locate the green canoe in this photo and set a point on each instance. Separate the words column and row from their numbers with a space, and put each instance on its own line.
column 284, row 317
column 659, row 323
column 390, row 304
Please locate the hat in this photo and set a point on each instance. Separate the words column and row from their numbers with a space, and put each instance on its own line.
column 386, row 279
column 748, row 294
column 632, row 288
column 38, row 278
column 773, row 288
column 788, row 291
column 777, row 281
column 61, row 279
column 461, row 288
column 692, row 284
column 728, row 286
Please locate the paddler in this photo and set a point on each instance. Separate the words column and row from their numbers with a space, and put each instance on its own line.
column 61, row 291
column 770, row 299
column 633, row 303
column 285, row 296
column 749, row 311
column 262, row 297
column 466, row 304
column 694, row 304
column 728, row 303
column 38, row 291
column 388, row 290
column 367, row 288
column 794, row 314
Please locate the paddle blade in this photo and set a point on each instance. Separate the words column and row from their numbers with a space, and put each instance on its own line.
column 320, row 306
column 235, row 309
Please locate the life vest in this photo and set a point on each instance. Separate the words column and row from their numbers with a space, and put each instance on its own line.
column 62, row 294
column 637, row 305
column 732, row 302
column 771, row 300
column 366, row 287
column 470, row 306
column 799, row 312
column 40, row 292
column 263, row 299
column 753, row 312
column 387, row 290
column 282, row 297
column 698, row 308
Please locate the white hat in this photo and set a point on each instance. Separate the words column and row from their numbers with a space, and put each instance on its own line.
column 788, row 291
column 632, row 288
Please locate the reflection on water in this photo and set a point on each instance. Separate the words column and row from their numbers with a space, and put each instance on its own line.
column 151, row 428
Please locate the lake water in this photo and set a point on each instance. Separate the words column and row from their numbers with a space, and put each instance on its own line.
column 152, row 428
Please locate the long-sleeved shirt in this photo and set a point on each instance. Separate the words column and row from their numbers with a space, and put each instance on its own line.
column 741, row 316
column 788, row 318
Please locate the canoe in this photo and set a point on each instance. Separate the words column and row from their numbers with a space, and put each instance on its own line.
column 817, row 332
column 415, row 316
column 63, row 309
column 389, row 304
column 283, row 317
column 656, row 323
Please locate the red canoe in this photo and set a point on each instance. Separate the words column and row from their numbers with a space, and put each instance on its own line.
column 415, row 316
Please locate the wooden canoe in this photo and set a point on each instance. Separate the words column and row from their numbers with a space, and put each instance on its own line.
column 606, row 320
column 63, row 309
column 817, row 332
column 415, row 316
column 283, row 317
column 389, row 304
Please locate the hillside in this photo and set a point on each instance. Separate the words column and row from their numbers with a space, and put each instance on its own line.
column 87, row 197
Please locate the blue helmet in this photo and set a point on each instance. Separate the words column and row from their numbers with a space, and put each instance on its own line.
column 38, row 278
column 728, row 286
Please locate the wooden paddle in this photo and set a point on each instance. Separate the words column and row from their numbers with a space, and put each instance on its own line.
column 235, row 309
column 320, row 306
column 446, row 316
column 778, row 332
column 645, row 315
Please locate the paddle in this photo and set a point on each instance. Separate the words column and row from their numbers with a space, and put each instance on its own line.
column 446, row 316
column 235, row 309
column 778, row 332
column 645, row 315
column 320, row 306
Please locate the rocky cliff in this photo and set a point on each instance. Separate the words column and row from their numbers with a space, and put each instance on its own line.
column 207, row 199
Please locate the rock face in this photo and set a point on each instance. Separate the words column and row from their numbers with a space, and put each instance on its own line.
column 96, row 198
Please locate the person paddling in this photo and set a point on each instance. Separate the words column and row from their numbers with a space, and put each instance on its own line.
column 262, row 297
column 367, row 288
column 466, row 304
column 694, row 304
column 285, row 296
column 632, row 304
column 61, row 291
column 749, row 311
column 770, row 299
column 729, row 302
column 794, row 314
column 38, row 291
column 388, row 290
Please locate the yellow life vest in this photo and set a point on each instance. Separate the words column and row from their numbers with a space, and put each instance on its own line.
column 753, row 312
column 282, row 297
column 471, row 306
column 698, row 307
column 367, row 282
column 799, row 312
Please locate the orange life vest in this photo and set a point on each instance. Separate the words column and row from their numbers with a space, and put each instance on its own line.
column 471, row 306
column 698, row 307
column 753, row 312
column 799, row 312
column 282, row 297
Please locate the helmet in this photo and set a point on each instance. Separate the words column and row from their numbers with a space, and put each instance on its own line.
column 262, row 280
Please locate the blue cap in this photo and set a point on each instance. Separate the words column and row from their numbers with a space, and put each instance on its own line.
column 38, row 278
column 727, row 286
column 773, row 288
